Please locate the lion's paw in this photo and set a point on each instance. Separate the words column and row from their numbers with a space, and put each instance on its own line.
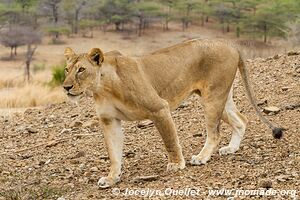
column 106, row 182
column 175, row 166
column 196, row 160
column 227, row 150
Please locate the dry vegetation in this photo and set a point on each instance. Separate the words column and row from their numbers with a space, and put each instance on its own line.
column 15, row 93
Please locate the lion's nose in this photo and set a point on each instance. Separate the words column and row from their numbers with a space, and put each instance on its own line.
column 69, row 87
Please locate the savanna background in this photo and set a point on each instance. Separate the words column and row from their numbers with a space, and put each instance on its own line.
column 43, row 155
column 34, row 34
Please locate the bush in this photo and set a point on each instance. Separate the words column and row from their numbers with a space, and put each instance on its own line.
column 58, row 75
column 56, row 31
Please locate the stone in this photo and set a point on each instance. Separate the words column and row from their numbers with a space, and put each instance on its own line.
column 146, row 178
column 94, row 169
column 293, row 53
column 76, row 124
column 265, row 184
column 90, row 123
column 31, row 130
column 145, row 124
column 271, row 109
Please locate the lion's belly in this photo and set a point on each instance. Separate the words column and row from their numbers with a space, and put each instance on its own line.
column 110, row 109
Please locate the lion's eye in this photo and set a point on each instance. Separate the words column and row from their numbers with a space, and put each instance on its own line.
column 67, row 70
column 81, row 69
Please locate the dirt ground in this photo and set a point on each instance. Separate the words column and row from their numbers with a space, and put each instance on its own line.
column 46, row 154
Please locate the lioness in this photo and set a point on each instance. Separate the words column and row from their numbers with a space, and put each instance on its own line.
column 150, row 86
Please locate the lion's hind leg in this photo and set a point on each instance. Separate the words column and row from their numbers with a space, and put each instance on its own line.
column 213, row 107
column 238, row 123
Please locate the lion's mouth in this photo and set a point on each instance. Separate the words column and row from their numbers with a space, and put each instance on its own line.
column 74, row 95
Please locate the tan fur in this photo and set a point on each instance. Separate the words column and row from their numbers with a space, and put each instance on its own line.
column 148, row 87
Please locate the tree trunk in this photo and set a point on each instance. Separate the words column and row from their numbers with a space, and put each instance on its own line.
column 76, row 21
column 27, row 67
column 228, row 28
column 238, row 31
column 166, row 23
column 15, row 51
column 11, row 52
column 140, row 26
column 92, row 33
column 117, row 25
column 29, row 56
column 168, row 17
column 265, row 33
column 223, row 25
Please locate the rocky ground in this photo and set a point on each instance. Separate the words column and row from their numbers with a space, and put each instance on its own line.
column 58, row 152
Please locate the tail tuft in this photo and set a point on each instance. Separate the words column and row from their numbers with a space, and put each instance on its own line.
column 277, row 132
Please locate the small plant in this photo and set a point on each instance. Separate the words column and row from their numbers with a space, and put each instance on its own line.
column 58, row 74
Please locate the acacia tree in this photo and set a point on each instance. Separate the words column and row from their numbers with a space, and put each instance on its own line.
column 73, row 10
column 269, row 20
column 31, row 38
column 143, row 11
column 51, row 8
column 12, row 37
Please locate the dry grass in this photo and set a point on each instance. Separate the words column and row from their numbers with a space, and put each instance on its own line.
column 30, row 95
column 10, row 79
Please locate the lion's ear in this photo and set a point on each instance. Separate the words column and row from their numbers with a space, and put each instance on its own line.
column 69, row 54
column 96, row 56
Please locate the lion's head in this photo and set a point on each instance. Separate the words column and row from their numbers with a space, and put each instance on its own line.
column 81, row 70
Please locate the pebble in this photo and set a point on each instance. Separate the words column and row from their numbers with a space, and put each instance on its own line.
column 31, row 130
column 90, row 123
column 76, row 124
column 94, row 169
column 271, row 109
column 265, row 184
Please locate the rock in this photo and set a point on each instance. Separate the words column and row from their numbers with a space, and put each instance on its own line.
column 146, row 178
column 94, row 169
column 129, row 154
column 276, row 57
column 282, row 178
column 145, row 124
column 65, row 130
column 262, row 102
column 292, row 106
column 31, row 130
column 90, row 123
column 197, row 135
column 47, row 161
column 60, row 198
column 78, row 155
column 265, row 184
column 285, row 88
column 271, row 109
column 74, row 115
column 76, row 124
column 293, row 53
column 184, row 105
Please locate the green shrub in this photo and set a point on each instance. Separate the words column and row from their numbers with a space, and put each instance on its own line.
column 58, row 75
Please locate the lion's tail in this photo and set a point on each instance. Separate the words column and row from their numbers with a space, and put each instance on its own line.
column 277, row 131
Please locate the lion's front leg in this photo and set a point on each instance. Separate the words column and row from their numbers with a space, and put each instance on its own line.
column 114, row 138
column 166, row 127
